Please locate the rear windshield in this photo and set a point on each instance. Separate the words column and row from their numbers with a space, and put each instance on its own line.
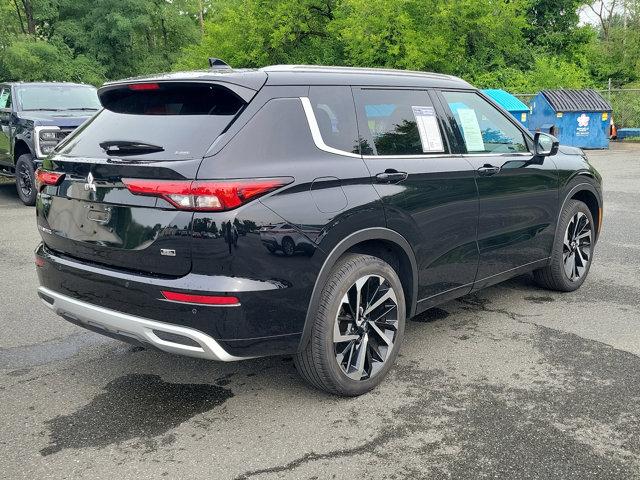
column 156, row 122
column 172, row 99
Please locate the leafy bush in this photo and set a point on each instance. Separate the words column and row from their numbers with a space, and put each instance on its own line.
column 30, row 60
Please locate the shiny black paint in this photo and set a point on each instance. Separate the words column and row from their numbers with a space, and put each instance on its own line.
column 333, row 205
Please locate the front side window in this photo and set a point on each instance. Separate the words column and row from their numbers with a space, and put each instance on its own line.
column 5, row 97
column 336, row 116
column 398, row 122
column 483, row 127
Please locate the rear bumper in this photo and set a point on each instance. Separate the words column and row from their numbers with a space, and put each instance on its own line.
column 177, row 339
column 268, row 321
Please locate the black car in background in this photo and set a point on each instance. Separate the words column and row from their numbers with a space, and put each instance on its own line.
column 407, row 190
column 34, row 118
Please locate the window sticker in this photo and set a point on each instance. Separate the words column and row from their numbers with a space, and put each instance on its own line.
column 428, row 128
column 471, row 130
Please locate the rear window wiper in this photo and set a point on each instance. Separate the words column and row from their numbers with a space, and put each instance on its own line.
column 125, row 147
column 84, row 109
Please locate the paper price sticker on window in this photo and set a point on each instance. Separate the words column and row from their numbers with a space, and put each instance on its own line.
column 471, row 130
column 428, row 128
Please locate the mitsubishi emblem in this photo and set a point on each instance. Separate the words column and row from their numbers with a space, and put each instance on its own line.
column 90, row 186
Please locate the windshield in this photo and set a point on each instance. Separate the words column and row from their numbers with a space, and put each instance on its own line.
column 57, row 97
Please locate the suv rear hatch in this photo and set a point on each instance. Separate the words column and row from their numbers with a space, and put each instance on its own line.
column 98, row 200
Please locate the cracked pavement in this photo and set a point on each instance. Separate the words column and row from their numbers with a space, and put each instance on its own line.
column 511, row 382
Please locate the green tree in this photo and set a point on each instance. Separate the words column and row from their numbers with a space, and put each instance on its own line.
column 254, row 33
column 30, row 59
column 128, row 37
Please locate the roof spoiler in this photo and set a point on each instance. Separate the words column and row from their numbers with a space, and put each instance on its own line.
column 218, row 63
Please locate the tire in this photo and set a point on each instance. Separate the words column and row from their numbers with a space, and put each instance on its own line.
column 571, row 257
column 361, row 359
column 26, row 180
column 288, row 246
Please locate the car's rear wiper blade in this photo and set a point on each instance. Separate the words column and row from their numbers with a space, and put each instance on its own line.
column 84, row 109
column 125, row 147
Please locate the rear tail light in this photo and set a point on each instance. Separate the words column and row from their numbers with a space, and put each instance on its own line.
column 200, row 299
column 45, row 177
column 205, row 195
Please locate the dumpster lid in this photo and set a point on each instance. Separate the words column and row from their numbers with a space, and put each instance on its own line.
column 506, row 100
column 576, row 101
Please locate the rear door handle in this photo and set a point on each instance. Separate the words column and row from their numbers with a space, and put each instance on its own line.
column 391, row 176
column 488, row 170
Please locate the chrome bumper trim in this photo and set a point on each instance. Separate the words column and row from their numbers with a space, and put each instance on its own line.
column 138, row 327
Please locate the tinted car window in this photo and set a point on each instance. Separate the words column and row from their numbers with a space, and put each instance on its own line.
column 484, row 128
column 178, row 124
column 398, row 122
column 171, row 99
column 335, row 113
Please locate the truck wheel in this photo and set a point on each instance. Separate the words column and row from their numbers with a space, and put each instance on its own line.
column 26, row 179
column 572, row 250
column 358, row 327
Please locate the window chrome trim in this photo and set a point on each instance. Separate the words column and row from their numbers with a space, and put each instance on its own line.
column 425, row 156
column 315, row 131
column 36, row 139
column 501, row 154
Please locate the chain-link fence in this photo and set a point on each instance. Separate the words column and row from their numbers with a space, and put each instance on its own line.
column 626, row 106
column 625, row 103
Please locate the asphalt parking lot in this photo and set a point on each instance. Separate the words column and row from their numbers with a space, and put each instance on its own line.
column 512, row 382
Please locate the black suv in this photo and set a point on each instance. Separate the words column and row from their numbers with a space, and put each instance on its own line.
column 34, row 118
column 164, row 217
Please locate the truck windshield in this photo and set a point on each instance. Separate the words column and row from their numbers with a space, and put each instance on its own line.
column 57, row 97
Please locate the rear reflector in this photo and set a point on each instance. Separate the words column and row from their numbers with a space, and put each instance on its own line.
column 45, row 177
column 39, row 261
column 200, row 299
column 144, row 86
column 205, row 195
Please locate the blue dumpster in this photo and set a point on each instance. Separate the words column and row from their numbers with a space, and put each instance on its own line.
column 510, row 103
column 579, row 118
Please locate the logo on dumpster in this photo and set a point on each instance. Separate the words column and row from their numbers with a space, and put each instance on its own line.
column 583, row 120
column 583, row 126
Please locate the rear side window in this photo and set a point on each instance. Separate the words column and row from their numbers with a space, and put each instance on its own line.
column 159, row 122
column 398, row 122
column 336, row 116
column 171, row 99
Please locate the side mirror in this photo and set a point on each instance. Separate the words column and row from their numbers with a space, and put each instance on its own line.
column 545, row 145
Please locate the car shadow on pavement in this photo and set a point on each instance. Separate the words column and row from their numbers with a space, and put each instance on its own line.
column 144, row 394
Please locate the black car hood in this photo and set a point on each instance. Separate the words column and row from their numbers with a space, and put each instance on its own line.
column 567, row 150
column 65, row 118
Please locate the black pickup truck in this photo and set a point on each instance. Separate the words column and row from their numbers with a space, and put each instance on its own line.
column 34, row 118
